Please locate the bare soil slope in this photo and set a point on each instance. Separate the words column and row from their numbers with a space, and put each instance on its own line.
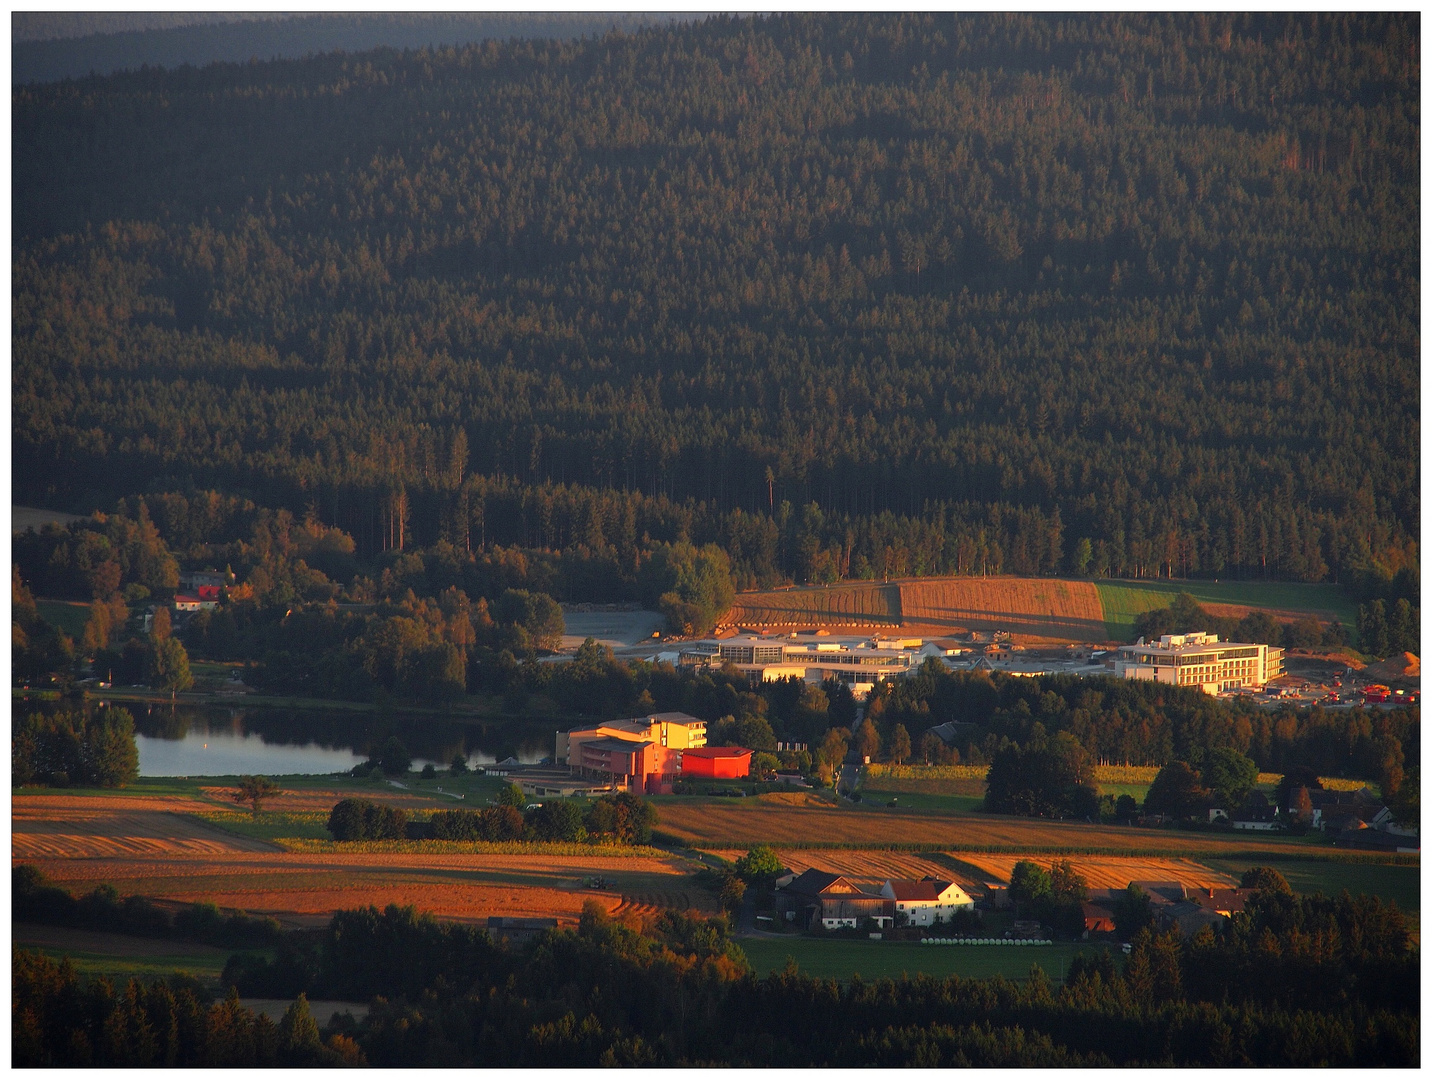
column 1031, row 609
column 864, row 604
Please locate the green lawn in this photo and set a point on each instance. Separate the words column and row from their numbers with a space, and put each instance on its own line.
column 1123, row 600
column 871, row 959
column 1400, row 884
column 913, row 800
column 202, row 965
column 69, row 617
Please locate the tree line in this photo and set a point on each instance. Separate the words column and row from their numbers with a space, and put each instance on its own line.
column 1290, row 981
column 848, row 295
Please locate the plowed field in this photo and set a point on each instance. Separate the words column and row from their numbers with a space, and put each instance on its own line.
column 856, row 604
column 1032, row 609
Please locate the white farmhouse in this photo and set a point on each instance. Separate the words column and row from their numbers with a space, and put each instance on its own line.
column 924, row 900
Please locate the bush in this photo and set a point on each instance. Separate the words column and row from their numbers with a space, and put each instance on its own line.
column 557, row 820
column 495, row 823
column 363, row 819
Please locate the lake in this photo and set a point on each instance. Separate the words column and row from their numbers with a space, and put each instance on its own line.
column 206, row 740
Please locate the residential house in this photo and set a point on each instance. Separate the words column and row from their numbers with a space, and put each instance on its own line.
column 923, row 902
column 1363, row 804
column 1257, row 814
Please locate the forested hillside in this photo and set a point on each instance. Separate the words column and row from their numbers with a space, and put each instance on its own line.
column 848, row 295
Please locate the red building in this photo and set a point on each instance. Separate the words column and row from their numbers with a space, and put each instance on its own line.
column 716, row 762
column 624, row 763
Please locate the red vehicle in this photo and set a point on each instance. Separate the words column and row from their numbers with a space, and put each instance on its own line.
column 1376, row 694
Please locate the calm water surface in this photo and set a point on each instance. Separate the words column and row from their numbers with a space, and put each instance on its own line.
column 189, row 740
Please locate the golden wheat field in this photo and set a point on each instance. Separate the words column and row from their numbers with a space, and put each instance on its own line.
column 1108, row 873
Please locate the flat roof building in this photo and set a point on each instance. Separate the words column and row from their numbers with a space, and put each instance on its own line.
column 1200, row 660
column 860, row 662
column 639, row 754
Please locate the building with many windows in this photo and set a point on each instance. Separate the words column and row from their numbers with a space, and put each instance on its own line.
column 1200, row 660
column 859, row 662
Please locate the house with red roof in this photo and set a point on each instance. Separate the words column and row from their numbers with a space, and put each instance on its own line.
column 925, row 900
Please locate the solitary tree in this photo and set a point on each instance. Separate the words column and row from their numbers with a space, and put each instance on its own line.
column 733, row 892
column 899, row 744
column 169, row 666
column 760, row 862
column 1265, row 877
column 867, row 740
column 254, row 790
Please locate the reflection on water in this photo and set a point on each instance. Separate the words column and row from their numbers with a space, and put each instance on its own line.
column 191, row 740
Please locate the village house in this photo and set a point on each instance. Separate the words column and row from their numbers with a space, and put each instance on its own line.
column 924, row 902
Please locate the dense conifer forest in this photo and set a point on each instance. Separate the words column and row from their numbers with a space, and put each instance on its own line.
column 847, row 295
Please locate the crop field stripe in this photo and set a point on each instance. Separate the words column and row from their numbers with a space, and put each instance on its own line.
column 1069, row 609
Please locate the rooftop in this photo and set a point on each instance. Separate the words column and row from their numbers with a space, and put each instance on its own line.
column 926, row 889
column 619, row 746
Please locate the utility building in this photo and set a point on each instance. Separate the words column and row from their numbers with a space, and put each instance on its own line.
column 716, row 763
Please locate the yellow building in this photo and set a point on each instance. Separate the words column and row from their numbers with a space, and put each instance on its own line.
column 671, row 730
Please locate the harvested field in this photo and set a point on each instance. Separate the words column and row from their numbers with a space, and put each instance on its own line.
column 37, row 803
column 860, row 866
column 1104, row 873
column 98, row 830
column 83, row 841
column 726, row 825
column 309, row 888
column 1031, row 609
column 856, row 604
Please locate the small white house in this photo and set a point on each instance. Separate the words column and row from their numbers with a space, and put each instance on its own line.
column 922, row 901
